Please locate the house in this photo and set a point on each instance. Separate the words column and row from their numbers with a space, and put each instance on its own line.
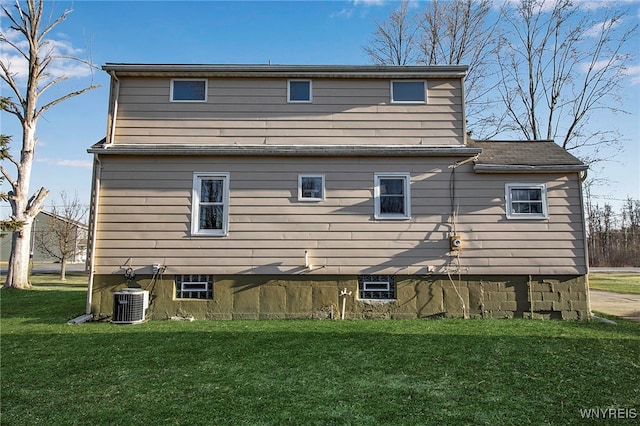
column 268, row 191
column 48, row 230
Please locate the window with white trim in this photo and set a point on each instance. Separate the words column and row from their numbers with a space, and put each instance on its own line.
column 188, row 90
column 210, row 208
column 376, row 287
column 526, row 201
column 194, row 286
column 310, row 187
column 392, row 198
column 409, row 91
column 299, row 91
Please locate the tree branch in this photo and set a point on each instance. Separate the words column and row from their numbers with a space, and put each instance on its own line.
column 8, row 177
column 64, row 98
column 34, row 206
column 8, row 78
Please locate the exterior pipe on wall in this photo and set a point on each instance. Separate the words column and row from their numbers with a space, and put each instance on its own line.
column 344, row 295
column 307, row 262
column 97, row 170
column 582, row 176
column 530, row 283
column 114, row 112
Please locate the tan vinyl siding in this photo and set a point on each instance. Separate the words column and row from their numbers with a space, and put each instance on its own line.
column 145, row 214
column 248, row 111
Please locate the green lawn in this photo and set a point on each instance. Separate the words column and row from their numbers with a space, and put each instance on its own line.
column 311, row 372
column 616, row 282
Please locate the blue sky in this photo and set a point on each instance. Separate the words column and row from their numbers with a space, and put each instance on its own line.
column 238, row 32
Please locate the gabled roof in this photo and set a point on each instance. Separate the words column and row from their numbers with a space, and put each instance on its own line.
column 285, row 71
column 75, row 223
column 524, row 156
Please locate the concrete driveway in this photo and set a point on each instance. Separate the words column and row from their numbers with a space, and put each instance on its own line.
column 618, row 304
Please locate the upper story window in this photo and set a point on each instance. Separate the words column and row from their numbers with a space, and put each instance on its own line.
column 310, row 187
column 392, row 196
column 299, row 91
column 409, row 91
column 526, row 201
column 210, row 208
column 189, row 90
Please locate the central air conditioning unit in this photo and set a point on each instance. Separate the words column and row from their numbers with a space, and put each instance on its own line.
column 129, row 306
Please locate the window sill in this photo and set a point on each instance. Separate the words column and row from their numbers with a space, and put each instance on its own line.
column 377, row 301
column 205, row 235
column 180, row 299
column 392, row 217
column 532, row 217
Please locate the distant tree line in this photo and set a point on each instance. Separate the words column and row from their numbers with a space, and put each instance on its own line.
column 614, row 238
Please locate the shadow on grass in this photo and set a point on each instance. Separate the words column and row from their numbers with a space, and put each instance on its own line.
column 43, row 306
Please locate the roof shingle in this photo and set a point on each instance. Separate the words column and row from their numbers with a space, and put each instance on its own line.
column 541, row 155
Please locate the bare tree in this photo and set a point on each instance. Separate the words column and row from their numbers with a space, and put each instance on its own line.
column 558, row 65
column 39, row 54
column 394, row 40
column 453, row 32
column 458, row 32
column 64, row 234
column 614, row 239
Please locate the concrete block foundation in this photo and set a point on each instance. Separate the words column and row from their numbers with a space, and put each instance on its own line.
column 307, row 296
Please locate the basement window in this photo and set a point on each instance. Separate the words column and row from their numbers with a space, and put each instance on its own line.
column 376, row 287
column 194, row 286
column 526, row 201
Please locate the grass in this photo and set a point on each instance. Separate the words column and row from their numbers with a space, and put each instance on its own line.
column 615, row 282
column 305, row 372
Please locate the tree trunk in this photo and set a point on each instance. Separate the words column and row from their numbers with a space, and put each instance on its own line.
column 18, row 273
column 24, row 209
column 63, row 269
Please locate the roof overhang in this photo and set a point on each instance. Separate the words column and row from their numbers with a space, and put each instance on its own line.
column 501, row 168
column 285, row 71
column 286, row 150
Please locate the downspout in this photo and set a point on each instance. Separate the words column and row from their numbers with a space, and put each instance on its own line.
column 582, row 176
column 465, row 137
column 114, row 112
column 97, row 171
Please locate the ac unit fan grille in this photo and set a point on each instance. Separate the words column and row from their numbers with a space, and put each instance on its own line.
column 129, row 306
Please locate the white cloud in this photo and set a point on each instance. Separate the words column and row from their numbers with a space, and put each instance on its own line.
column 83, row 164
column 543, row 5
column 633, row 73
column 597, row 28
column 594, row 67
column 354, row 5
column 344, row 13
column 59, row 49
column 368, row 2
column 603, row 4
